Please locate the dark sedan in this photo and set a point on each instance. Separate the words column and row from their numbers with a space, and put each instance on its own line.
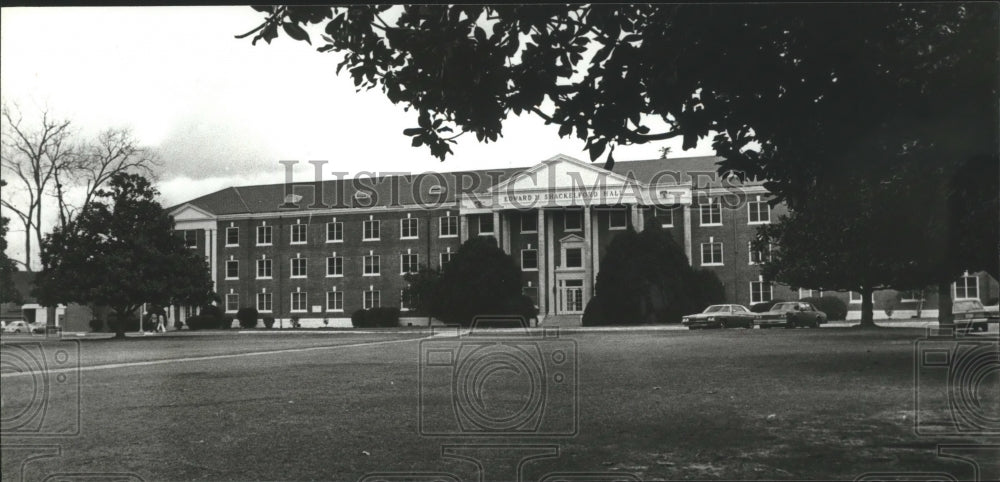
column 792, row 314
column 720, row 316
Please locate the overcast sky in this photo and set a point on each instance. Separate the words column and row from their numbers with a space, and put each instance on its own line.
column 221, row 112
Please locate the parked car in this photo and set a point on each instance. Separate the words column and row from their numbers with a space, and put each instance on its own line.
column 720, row 316
column 792, row 314
column 972, row 315
column 17, row 326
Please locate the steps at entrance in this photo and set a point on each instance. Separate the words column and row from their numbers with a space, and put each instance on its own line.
column 565, row 321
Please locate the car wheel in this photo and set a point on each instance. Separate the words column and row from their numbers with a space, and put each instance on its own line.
column 691, row 328
column 723, row 325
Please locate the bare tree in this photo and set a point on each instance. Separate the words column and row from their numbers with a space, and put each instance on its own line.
column 31, row 156
column 94, row 163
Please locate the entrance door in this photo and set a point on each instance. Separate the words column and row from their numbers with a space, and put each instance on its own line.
column 571, row 296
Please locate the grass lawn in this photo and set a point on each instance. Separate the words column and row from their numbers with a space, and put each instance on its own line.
column 832, row 403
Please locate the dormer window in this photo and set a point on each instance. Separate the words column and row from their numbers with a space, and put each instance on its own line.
column 362, row 196
column 436, row 190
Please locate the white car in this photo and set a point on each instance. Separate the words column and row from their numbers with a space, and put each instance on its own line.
column 18, row 326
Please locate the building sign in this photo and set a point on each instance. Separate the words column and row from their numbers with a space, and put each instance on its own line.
column 566, row 197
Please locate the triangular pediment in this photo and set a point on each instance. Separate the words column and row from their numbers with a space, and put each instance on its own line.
column 561, row 172
column 190, row 212
column 571, row 239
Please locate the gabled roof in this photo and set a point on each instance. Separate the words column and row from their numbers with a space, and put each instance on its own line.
column 400, row 190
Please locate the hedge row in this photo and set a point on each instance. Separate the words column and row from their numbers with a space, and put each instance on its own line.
column 383, row 317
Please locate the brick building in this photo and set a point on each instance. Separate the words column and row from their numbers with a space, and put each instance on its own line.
column 320, row 249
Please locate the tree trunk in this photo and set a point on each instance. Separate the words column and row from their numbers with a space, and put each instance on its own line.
column 945, row 318
column 867, row 308
column 27, row 246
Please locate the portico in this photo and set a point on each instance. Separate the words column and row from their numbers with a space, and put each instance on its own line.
column 556, row 216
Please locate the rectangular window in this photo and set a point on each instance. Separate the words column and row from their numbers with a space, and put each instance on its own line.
column 335, row 232
column 191, row 238
column 232, row 236
column 408, row 228
column 711, row 213
column 967, row 288
column 485, row 224
column 299, row 301
column 573, row 220
column 666, row 217
column 264, row 302
column 912, row 296
column 617, row 219
column 758, row 212
column 757, row 256
column 854, row 297
column 299, row 267
column 574, row 257
column 372, row 230
column 529, row 222
column 529, row 259
column 711, row 254
column 760, row 291
column 263, row 269
column 372, row 265
column 334, row 301
column 408, row 263
column 448, row 227
column 298, row 234
column 232, row 302
column 335, row 266
column 444, row 259
column 232, row 269
column 263, row 235
column 372, row 299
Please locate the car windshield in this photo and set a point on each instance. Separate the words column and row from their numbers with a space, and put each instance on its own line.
column 967, row 305
column 715, row 309
column 784, row 307
column 740, row 309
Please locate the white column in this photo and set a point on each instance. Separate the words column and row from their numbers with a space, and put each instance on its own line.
column 211, row 252
column 687, row 233
column 505, row 233
column 550, row 262
column 463, row 227
column 543, row 263
column 634, row 215
column 496, row 230
column 640, row 217
column 588, row 260
column 595, row 250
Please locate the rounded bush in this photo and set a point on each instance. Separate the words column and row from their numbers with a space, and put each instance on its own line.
column 96, row 324
column 268, row 322
column 247, row 317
